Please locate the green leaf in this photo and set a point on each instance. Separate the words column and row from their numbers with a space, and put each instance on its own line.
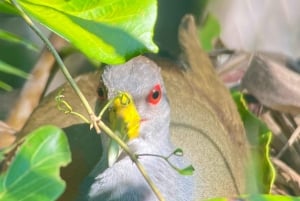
column 5, row 86
column 258, row 198
column 7, row 8
column 209, row 31
column 109, row 31
column 4, row 35
column 114, row 151
column 261, row 170
column 178, row 152
column 6, row 68
column 33, row 174
column 271, row 198
column 189, row 170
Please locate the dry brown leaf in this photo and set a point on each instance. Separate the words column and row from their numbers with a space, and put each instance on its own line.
column 286, row 178
column 273, row 84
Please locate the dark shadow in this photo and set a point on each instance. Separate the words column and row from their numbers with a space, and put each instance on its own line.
column 86, row 151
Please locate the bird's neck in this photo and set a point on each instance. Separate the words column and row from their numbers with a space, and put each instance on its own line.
column 153, row 141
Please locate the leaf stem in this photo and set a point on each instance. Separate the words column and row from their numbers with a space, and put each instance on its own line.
column 96, row 122
column 105, row 108
column 57, row 57
column 133, row 157
column 164, row 158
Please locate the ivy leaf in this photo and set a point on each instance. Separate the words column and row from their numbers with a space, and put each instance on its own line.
column 261, row 170
column 33, row 174
column 109, row 31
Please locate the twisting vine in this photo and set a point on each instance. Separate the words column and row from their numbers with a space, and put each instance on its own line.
column 94, row 120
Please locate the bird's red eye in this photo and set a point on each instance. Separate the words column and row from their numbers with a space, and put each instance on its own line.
column 155, row 95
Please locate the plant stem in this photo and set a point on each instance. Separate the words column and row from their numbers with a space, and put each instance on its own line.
column 94, row 119
column 133, row 157
column 162, row 157
column 58, row 59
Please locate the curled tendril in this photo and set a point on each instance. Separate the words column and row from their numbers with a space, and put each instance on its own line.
column 178, row 152
column 65, row 107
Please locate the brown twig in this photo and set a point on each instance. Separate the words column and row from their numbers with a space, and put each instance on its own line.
column 290, row 142
column 287, row 178
column 34, row 87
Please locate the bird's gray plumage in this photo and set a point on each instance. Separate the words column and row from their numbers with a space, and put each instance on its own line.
column 123, row 181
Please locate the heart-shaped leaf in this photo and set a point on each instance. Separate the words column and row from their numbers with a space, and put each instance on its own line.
column 109, row 31
column 33, row 174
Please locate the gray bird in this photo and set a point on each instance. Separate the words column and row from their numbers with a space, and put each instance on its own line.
column 140, row 77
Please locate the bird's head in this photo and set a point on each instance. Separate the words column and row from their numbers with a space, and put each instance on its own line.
column 140, row 78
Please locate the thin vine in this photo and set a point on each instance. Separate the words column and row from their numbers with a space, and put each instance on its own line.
column 94, row 120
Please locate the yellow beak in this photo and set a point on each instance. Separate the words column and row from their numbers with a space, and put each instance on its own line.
column 124, row 113
column 124, row 120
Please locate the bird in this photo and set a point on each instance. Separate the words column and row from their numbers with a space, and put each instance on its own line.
column 204, row 122
column 121, row 181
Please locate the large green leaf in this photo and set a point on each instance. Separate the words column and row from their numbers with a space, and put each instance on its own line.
column 109, row 31
column 33, row 174
column 261, row 171
column 6, row 8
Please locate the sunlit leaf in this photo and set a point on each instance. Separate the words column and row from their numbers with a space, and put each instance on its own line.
column 33, row 174
column 105, row 30
column 261, row 170
column 4, row 35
